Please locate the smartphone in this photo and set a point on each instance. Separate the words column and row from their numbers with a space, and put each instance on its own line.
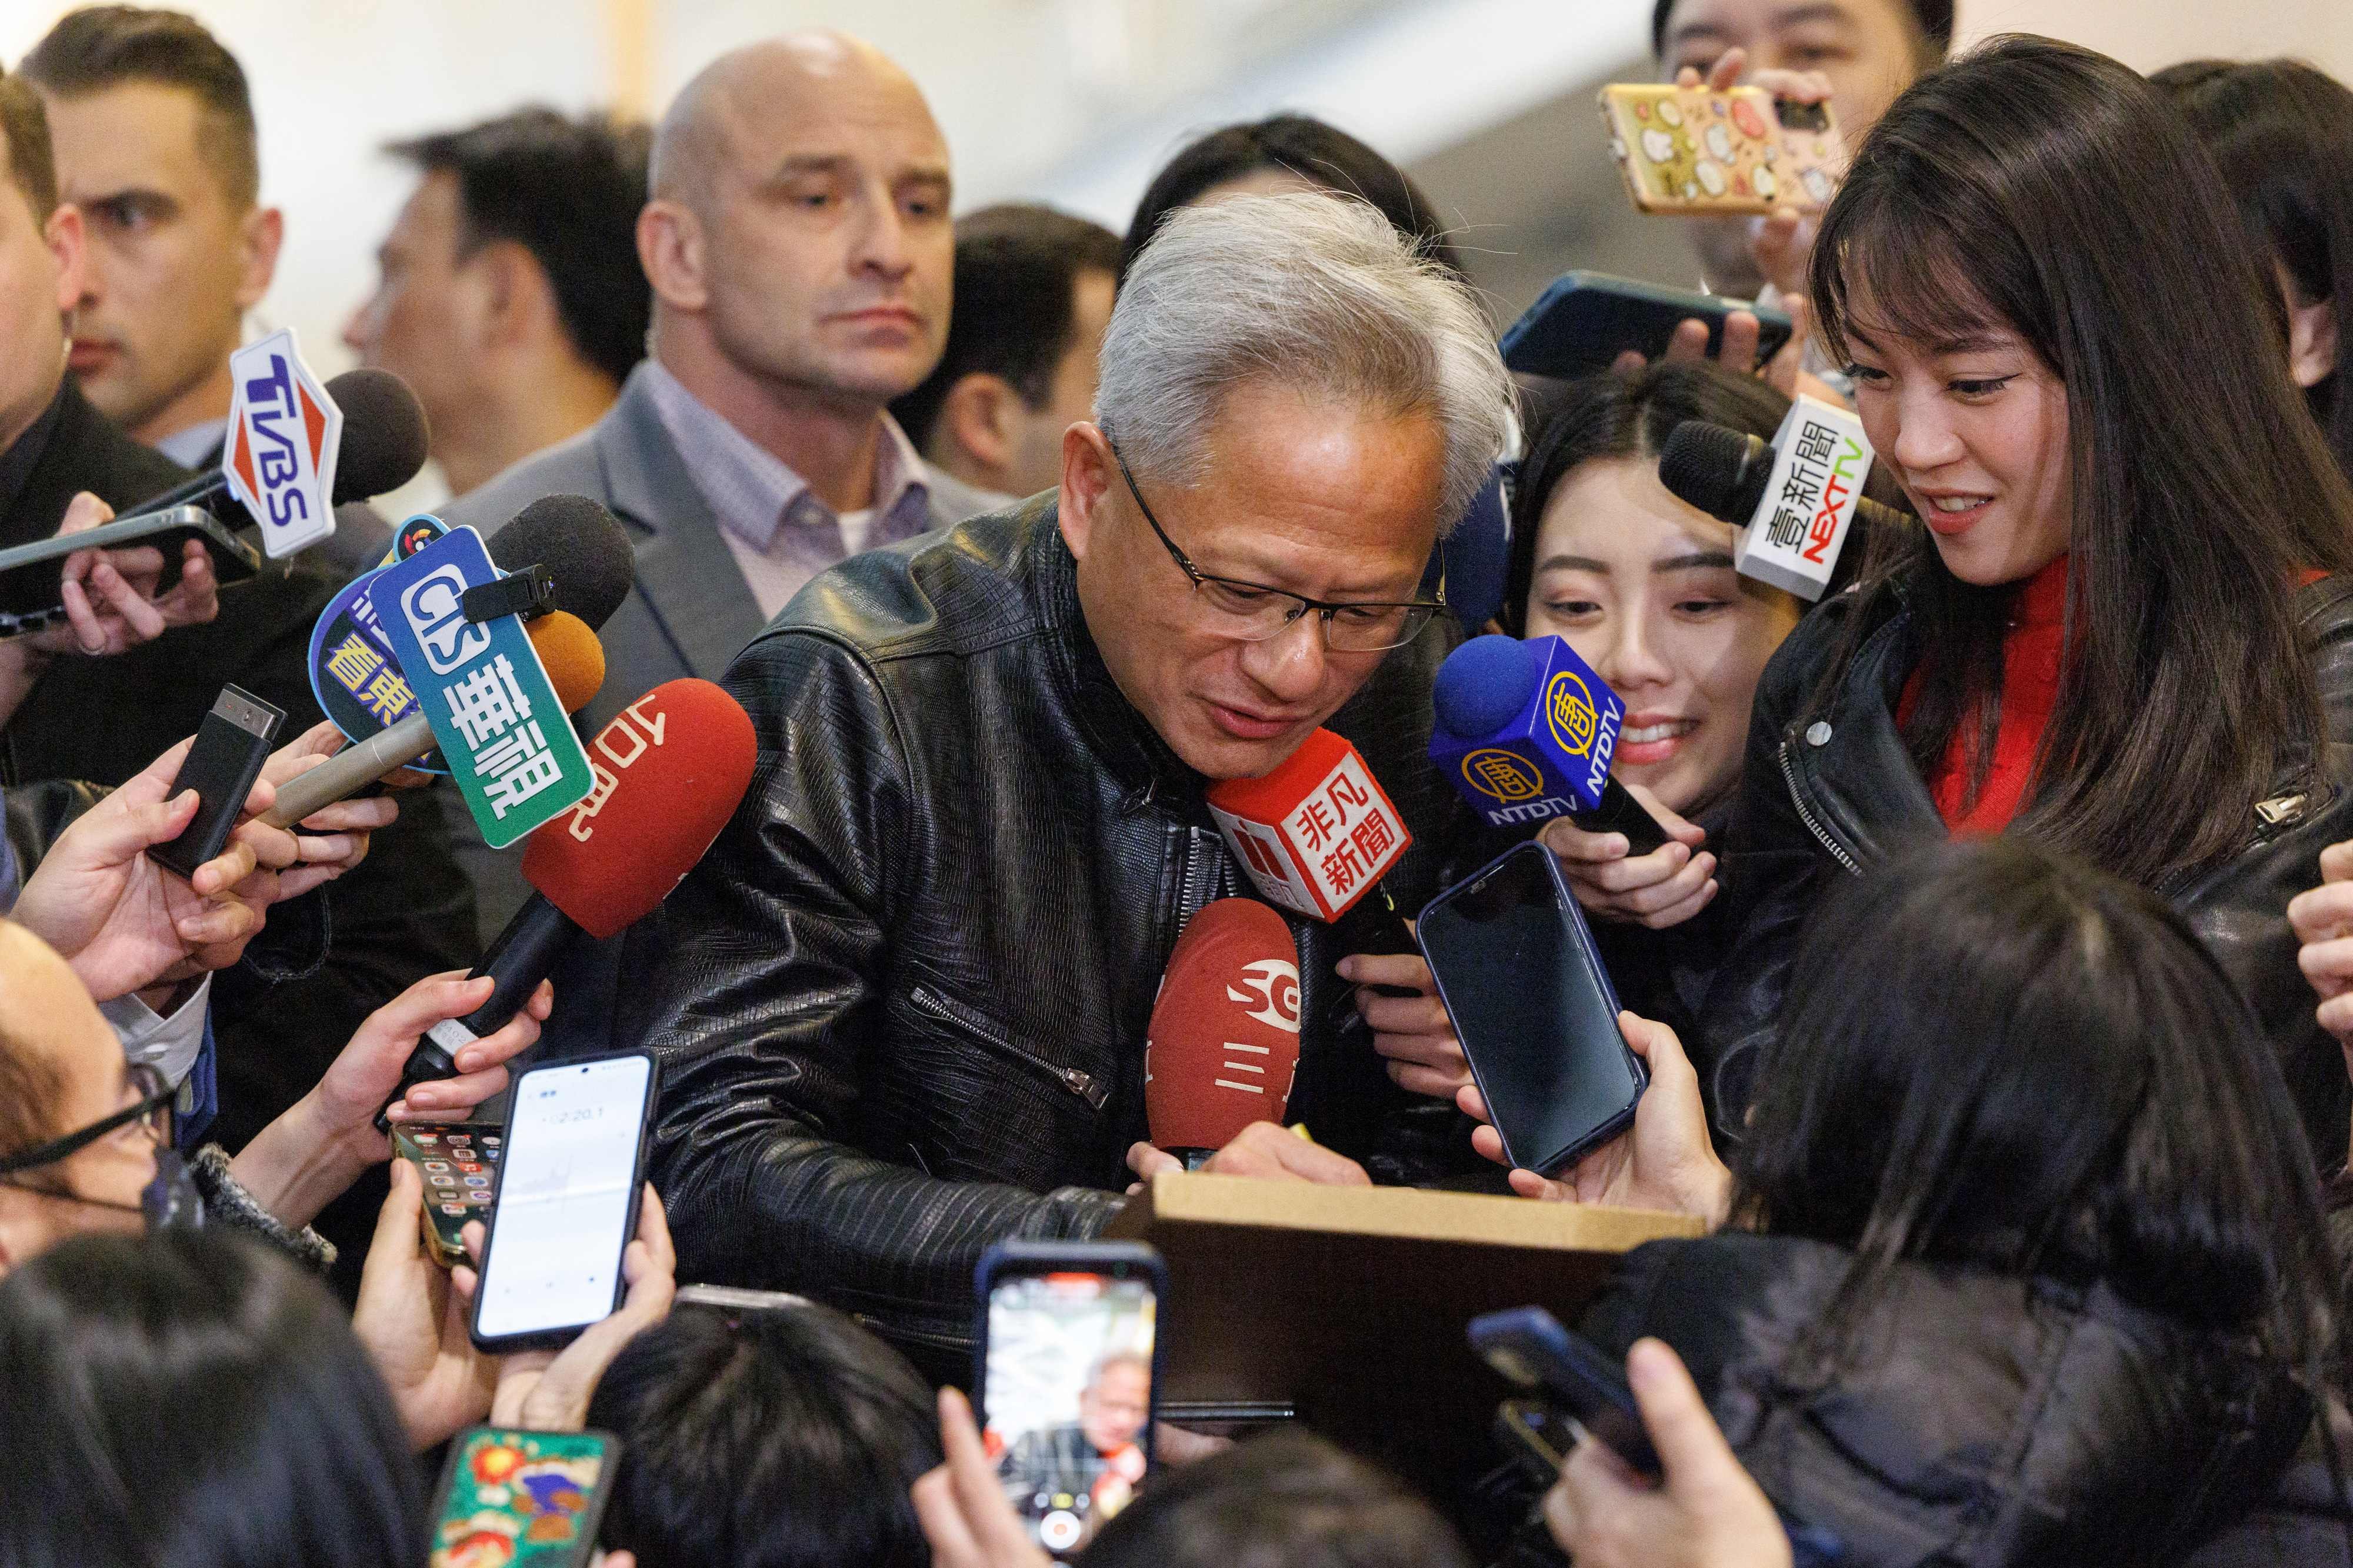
column 1539, row 1436
column 31, row 595
column 231, row 745
column 1586, row 320
column 522, row 1499
column 1067, row 1366
column 1694, row 151
column 563, row 1201
column 1530, row 1348
column 460, row 1162
column 1517, row 972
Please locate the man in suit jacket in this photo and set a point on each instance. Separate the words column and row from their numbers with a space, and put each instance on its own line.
column 801, row 257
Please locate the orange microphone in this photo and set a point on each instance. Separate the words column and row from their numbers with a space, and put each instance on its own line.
column 1224, row 1040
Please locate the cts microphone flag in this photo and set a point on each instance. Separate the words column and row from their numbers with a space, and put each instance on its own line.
column 1224, row 1041
column 1317, row 832
column 494, row 713
column 1793, row 503
column 1524, row 732
column 670, row 769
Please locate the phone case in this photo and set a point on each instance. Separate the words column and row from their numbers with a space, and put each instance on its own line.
column 522, row 1499
column 1692, row 151
column 460, row 1162
column 1814, row 154
column 30, row 598
column 1586, row 320
column 1530, row 1347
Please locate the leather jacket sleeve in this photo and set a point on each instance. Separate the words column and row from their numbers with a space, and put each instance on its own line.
column 764, row 981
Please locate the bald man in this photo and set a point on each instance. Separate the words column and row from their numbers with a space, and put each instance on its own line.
column 801, row 257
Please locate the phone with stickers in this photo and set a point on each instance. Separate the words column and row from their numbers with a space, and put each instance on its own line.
column 1702, row 152
column 460, row 1162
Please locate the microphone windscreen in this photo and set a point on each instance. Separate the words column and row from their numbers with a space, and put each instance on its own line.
column 1484, row 684
column 1224, row 1038
column 670, row 769
column 573, row 658
column 1705, row 465
column 584, row 547
column 384, row 438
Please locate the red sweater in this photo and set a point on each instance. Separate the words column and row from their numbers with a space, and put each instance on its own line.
column 2029, row 690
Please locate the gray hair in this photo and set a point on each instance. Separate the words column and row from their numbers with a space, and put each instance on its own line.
column 1309, row 290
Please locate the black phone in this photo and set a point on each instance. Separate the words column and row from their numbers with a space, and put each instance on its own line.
column 566, row 1200
column 31, row 575
column 1066, row 1369
column 231, row 745
column 1516, row 969
column 522, row 1499
column 1586, row 320
column 1534, row 1351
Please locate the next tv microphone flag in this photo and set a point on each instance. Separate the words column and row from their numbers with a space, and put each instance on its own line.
column 1794, row 502
column 1524, row 732
column 1224, row 1040
column 669, row 769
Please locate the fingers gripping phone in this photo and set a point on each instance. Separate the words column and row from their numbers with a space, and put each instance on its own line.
column 522, row 1499
column 460, row 1163
column 1065, row 1385
column 1586, row 320
column 31, row 575
column 1516, row 968
column 1530, row 1348
column 564, row 1203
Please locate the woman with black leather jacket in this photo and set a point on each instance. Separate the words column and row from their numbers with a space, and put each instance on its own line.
column 2105, row 641
column 2023, row 1261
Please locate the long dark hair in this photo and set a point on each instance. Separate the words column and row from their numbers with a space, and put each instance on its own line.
column 190, row 1397
column 1609, row 416
column 2047, row 1074
column 1315, row 151
column 2282, row 133
column 2044, row 188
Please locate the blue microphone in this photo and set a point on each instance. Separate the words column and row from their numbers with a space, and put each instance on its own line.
column 1526, row 732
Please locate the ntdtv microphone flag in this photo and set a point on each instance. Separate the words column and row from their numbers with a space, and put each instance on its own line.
column 1526, row 730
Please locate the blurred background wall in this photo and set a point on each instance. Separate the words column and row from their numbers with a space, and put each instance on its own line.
column 1488, row 102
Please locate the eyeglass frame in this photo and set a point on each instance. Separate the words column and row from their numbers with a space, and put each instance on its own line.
column 160, row 1098
column 1327, row 608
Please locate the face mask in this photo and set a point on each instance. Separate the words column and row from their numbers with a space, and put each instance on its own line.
column 171, row 1200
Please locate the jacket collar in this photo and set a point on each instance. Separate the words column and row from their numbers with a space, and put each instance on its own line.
column 1146, row 769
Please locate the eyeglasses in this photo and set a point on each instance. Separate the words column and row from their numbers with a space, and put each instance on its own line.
column 1254, row 612
column 170, row 1199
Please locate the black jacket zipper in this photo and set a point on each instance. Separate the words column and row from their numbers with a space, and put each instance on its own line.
column 1813, row 824
column 1084, row 1084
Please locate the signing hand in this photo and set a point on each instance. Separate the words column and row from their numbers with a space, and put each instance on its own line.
column 1413, row 1034
column 1663, row 1161
column 1265, row 1150
column 962, row 1506
column 1664, row 887
column 1708, row 1513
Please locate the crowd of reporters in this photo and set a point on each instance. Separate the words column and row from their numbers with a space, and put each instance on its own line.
column 1976, row 981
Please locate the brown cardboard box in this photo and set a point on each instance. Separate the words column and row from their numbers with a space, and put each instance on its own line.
column 1346, row 1305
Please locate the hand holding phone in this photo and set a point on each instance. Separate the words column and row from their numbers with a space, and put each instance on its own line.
column 1068, row 1364
column 550, row 1390
column 520, row 1499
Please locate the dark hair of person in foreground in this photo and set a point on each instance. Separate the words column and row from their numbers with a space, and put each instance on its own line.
column 189, row 1398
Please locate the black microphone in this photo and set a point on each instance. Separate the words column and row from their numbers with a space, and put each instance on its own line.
column 1724, row 472
column 383, row 446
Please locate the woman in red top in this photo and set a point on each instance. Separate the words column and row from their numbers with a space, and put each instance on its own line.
column 2065, row 355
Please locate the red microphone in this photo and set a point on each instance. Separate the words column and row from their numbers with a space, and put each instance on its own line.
column 1224, row 1040
column 1315, row 835
column 670, row 770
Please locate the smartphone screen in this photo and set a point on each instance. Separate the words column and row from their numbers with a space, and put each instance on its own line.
column 458, row 1161
column 552, row 1262
column 1068, row 1385
column 522, row 1499
column 1535, row 1012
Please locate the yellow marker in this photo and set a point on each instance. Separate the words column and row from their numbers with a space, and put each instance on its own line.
column 1300, row 1128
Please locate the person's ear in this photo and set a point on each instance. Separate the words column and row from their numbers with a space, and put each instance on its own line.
column 66, row 238
column 515, row 291
column 2312, row 341
column 1087, row 477
column 259, row 236
column 671, row 249
column 980, row 415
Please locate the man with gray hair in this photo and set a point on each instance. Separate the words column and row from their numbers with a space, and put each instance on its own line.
column 902, row 1004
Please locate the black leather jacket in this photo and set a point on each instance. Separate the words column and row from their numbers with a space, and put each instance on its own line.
column 1979, row 1419
column 1824, row 796
column 901, row 1004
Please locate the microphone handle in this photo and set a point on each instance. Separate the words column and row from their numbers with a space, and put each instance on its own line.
column 529, row 946
column 1384, row 932
column 1620, row 812
column 351, row 770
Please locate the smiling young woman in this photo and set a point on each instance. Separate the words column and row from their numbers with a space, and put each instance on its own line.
column 2104, row 640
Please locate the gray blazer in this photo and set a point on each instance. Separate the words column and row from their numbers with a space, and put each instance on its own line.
column 690, row 612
